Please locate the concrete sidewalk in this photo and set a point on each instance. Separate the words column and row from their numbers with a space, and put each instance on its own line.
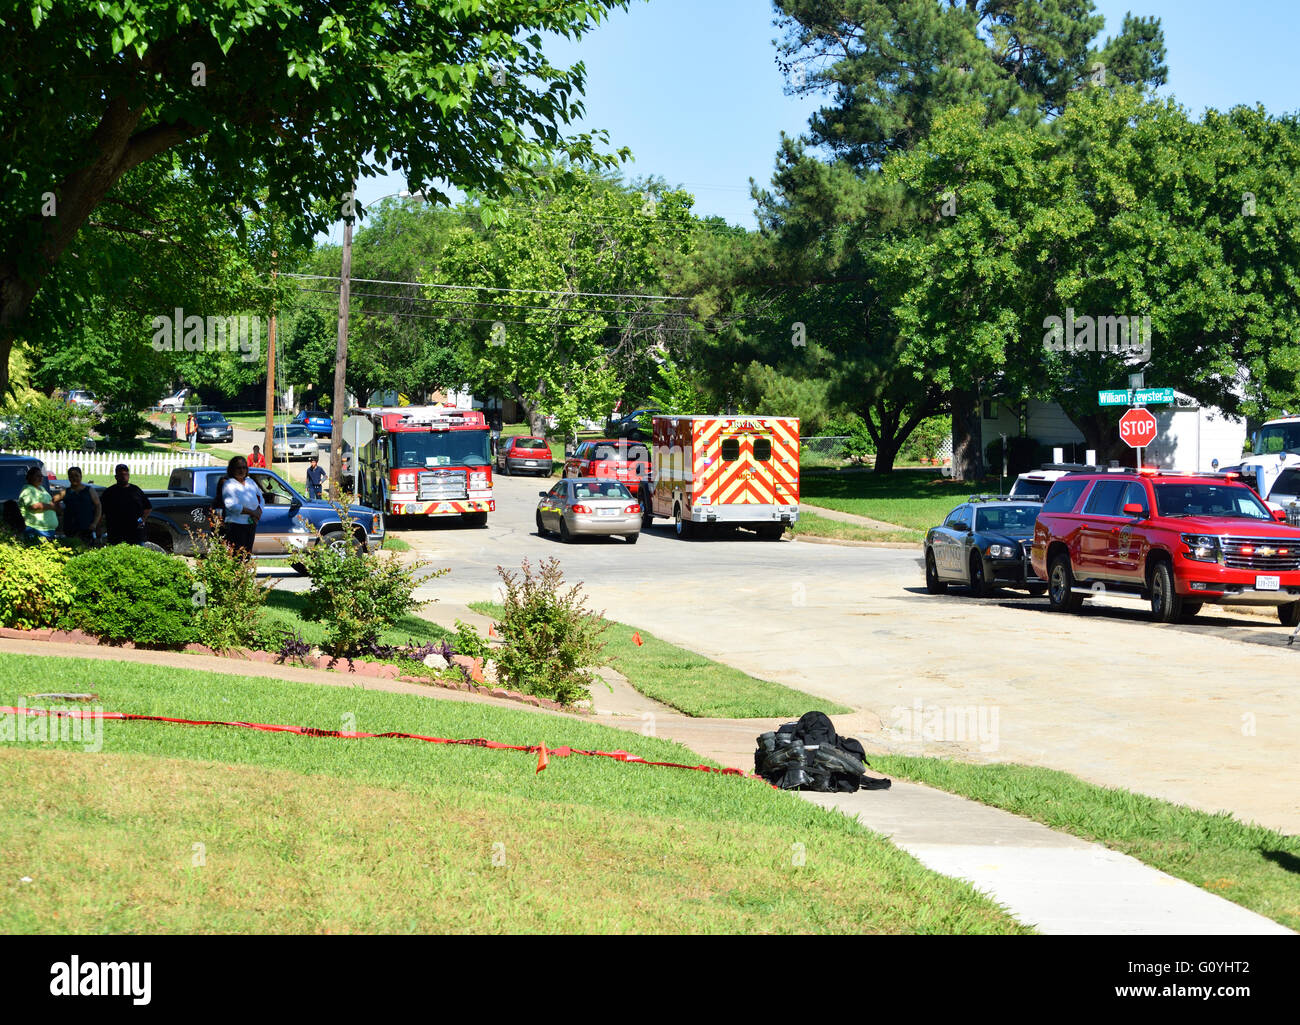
column 1058, row 883
column 1055, row 882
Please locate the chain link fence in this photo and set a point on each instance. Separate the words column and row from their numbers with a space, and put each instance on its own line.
column 824, row 451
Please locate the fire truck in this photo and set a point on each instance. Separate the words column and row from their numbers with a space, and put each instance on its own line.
column 428, row 461
column 734, row 471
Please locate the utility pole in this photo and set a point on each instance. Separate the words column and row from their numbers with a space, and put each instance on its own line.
column 268, row 445
column 339, row 408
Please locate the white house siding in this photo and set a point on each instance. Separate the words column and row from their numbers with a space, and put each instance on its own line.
column 1190, row 438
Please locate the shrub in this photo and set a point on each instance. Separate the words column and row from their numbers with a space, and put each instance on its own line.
column 34, row 589
column 125, row 593
column 48, row 424
column 924, row 442
column 355, row 593
column 122, row 425
column 228, row 597
column 858, row 442
column 550, row 640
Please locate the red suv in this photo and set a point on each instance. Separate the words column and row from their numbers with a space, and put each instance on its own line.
column 1181, row 541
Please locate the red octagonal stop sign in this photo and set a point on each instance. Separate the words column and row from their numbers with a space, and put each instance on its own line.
column 1137, row 428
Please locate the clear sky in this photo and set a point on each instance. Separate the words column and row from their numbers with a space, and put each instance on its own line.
column 692, row 87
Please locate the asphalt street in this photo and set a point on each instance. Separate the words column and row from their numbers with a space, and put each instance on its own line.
column 1205, row 714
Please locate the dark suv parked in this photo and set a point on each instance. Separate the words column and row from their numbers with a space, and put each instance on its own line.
column 1180, row 541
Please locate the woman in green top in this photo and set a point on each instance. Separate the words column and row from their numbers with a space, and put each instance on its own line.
column 39, row 510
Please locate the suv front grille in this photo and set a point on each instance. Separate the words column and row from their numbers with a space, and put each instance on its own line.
column 1233, row 557
column 443, row 486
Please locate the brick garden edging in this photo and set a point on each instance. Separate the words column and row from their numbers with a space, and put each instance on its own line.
column 378, row 670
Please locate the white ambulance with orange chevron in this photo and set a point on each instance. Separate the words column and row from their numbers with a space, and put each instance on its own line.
column 733, row 471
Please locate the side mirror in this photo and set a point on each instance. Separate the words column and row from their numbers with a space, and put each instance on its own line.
column 1279, row 515
column 960, row 527
column 543, row 494
column 1133, row 509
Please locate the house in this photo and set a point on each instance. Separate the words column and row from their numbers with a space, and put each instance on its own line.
column 1190, row 436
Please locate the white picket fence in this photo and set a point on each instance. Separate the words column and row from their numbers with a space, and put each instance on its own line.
column 99, row 466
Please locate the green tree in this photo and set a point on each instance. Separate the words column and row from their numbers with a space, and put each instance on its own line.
column 568, row 315
column 294, row 97
column 891, row 67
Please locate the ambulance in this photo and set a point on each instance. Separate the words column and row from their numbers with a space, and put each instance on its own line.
column 428, row 461
column 731, row 471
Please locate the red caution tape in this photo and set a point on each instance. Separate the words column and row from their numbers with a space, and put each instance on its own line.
column 544, row 754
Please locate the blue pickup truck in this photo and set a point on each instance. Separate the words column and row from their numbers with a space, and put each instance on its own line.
column 187, row 503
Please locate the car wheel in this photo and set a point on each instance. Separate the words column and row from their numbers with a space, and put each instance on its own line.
column 1060, row 586
column 506, row 469
column 632, row 538
column 1289, row 614
column 979, row 585
column 1166, row 605
column 338, row 540
column 565, row 536
column 772, row 532
column 933, row 584
column 541, row 530
column 1037, row 590
column 476, row 520
column 683, row 528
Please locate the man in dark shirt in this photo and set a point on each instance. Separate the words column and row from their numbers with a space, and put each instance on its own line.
column 125, row 509
column 315, row 478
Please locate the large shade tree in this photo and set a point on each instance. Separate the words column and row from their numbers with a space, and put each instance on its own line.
column 294, row 97
column 889, row 69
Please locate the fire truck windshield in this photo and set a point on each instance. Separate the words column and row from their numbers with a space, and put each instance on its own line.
column 418, row 450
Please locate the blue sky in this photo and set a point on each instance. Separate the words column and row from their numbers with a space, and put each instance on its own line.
column 692, row 88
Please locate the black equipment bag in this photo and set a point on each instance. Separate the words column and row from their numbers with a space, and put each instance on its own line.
column 810, row 755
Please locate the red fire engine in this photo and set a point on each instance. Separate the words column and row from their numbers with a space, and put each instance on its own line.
column 428, row 461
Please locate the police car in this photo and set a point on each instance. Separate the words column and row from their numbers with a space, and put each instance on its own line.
column 984, row 544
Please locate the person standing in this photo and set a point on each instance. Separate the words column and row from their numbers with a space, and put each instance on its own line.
column 241, row 499
column 495, row 425
column 175, row 437
column 125, row 509
column 192, row 431
column 315, row 479
column 257, row 461
column 38, row 507
column 82, row 512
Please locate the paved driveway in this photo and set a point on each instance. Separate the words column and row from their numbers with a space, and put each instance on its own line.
column 1206, row 714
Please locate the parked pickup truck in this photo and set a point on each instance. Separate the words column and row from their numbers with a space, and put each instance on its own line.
column 187, row 503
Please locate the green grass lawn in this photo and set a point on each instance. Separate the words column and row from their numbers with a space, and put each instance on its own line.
column 178, row 829
column 915, row 501
column 812, row 525
column 288, row 607
column 693, row 684
column 1247, row 864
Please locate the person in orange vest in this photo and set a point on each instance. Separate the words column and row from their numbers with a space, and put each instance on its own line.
column 257, row 459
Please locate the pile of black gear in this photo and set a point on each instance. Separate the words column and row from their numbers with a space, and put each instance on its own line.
column 810, row 755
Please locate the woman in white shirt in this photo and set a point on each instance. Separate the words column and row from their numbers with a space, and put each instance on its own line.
column 241, row 499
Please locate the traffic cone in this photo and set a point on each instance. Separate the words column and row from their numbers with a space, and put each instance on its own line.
column 542, row 760
column 492, row 629
column 636, row 639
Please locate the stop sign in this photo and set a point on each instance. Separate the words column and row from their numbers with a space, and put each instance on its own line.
column 1137, row 428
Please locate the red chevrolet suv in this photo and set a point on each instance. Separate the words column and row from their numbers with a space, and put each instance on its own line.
column 1181, row 541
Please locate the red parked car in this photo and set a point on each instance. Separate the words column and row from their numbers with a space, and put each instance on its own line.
column 524, row 455
column 617, row 459
column 1180, row 541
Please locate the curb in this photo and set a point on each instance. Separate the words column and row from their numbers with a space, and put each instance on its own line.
column 845, row 542
column 326, row 663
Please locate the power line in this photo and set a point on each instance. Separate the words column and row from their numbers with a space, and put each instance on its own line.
column 492, row 288
column 499, row 305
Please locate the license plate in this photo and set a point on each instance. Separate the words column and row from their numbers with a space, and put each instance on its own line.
column 530, row 462
column 609, row 512
column 1268, row 583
